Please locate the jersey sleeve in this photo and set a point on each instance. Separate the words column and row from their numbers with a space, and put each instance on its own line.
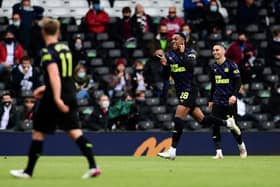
column 190, row 58
column 47, row 57
column 235, row 70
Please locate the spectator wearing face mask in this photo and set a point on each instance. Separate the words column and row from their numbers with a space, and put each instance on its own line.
column 122, row 29
column 191, row 42
column 28, row 13
column 235, row 52
column 214, row 21
column 99, row 118
column 79, row 52
column 15, row 26
column 83, row 82
column 173, row 22
column 11, row 53
column 160, row 41
column 11, row 50
column 9, row 116
column 96, row 19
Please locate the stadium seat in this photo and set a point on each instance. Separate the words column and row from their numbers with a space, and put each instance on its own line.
column 148, row 36
column 96, row 62
column 102, row 36
column 267, row 71
column 108, row 44
column 164, row 117
column 245, row 125
column 148, row 93
column 267, row 125
column 198, row 70
column 122, row 3
column 201, row 101
column 137, row 53
column 152, row 101
column 145, row 125
column 172, row 101
column 202, row 78
column 91, row 53
column 272, row 78
column 205, row 109
column 254, row 86
column 167, row 125
column 253, row 109
column 4, row 20
column 82, row 102
column 253, row 28
column 158, row 109
column 114, row 53
column 87, row 44
column 98, row 93
column 193, row 125
column 101, row 70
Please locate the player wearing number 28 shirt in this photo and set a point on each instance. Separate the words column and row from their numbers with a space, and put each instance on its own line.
column 179, row 63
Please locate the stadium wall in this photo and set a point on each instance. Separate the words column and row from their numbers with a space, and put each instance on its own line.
column 142, row 143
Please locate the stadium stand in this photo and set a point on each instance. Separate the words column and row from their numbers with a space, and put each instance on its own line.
column 102, row 51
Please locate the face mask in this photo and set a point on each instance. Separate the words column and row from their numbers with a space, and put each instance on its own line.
column 105, row 104
column 16, row 23
column 82, row 75
column 213, row 8
column 171, row 17
column 278, row 90
column 185, row 33
column 126, row 17
column 96, row 6
column 8, row 40
column 7, row 104
column 78, row 46
column 141, row 100
column 40, row 23
column 276, row 39
column 241, row 42
column 163, row 34
column 27, row 8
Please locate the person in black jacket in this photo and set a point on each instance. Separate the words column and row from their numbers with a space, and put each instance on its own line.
column 9, row 117
column 99, row 118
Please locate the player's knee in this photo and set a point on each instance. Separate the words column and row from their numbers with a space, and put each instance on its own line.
column 75, row 133
column 36, row 135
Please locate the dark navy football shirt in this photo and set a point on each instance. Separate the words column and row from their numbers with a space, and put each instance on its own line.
column 223, row 79
column 180, row 67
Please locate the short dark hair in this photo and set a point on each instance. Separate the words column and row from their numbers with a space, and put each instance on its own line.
column 181, row 34
column 222, row 44
column 126, row 9
column 25, row 58
column 6, row 92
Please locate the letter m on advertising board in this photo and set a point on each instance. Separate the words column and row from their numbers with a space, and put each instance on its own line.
column 151, row 148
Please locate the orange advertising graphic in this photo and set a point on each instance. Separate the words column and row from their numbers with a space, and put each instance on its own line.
column 150, row 147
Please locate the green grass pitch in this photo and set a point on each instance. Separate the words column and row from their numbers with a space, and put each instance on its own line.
column 125, row 171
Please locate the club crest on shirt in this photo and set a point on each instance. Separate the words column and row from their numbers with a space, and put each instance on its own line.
column 170, row 58
column 226, row 70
